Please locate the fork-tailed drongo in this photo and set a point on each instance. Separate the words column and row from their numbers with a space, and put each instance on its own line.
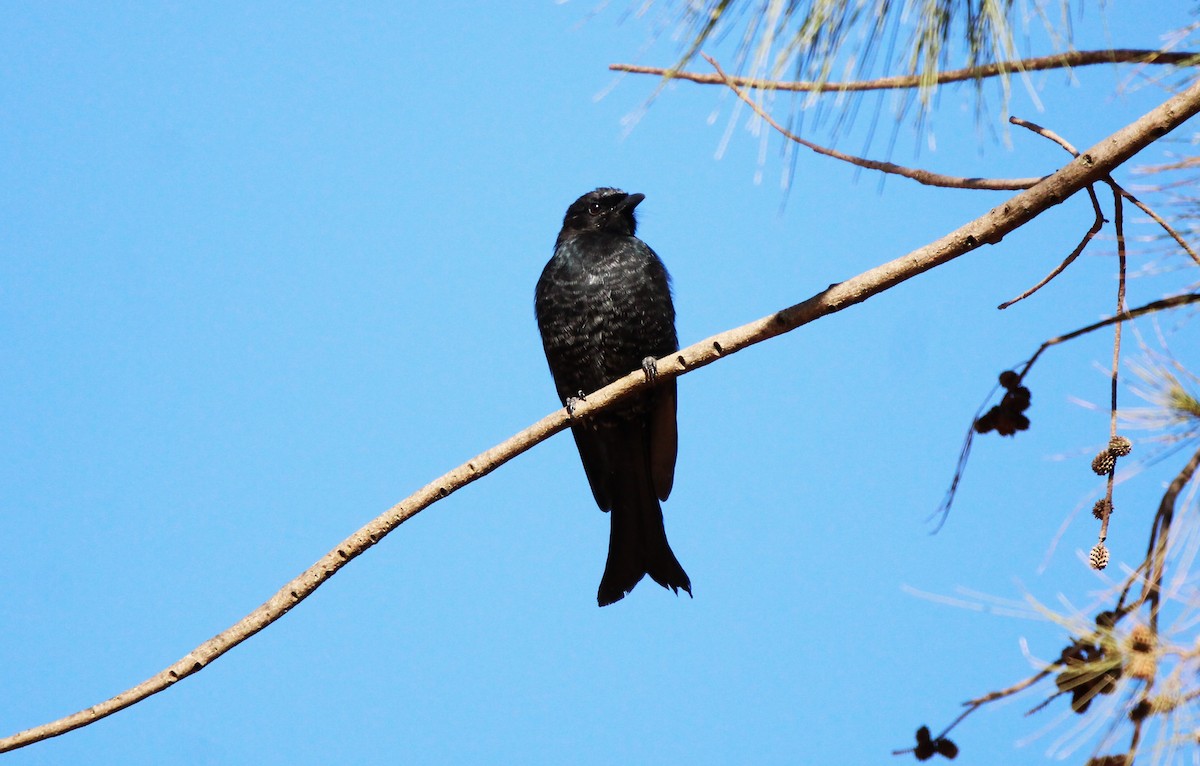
column 604, row 309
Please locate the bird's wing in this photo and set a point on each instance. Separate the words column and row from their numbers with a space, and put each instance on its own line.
column 593, row 451
column 664, row 439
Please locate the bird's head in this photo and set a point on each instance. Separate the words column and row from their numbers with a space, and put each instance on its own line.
column 605, row 209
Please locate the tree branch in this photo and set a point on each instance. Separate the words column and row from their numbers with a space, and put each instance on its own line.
column 1058, row 61
column 1097, row 224
column 1159, row 220
column 1174, row 301
column 989, row 228
column 964, row 453
column 926, row 177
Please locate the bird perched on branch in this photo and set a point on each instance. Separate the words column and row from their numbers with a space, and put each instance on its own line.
column 604, row 309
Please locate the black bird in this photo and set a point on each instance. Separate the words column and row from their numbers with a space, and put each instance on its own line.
column 604, row 309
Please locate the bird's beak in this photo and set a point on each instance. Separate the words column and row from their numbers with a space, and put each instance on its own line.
column 630, row 202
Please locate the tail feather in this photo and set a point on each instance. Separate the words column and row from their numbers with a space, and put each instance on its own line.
column 638, row 547
column 637, row 543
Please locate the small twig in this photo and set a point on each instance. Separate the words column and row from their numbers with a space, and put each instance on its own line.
column 1157, row 553
column 978, row 702
column 926, row 177
column 1135, row 739
column 1062, row 142
column 964, row 454
column 1166, row 226
column 1097, row 224
column 1119, row 224
column 1162, row 304
column 1020, row 686
column 1057, row 61
column 1187, row 163
column 1134, row 578
column 1045, row 133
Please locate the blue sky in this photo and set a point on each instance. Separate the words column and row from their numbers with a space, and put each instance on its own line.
column 268, row 270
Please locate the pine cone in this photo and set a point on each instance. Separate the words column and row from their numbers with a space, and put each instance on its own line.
column 1120, row 446
column 1103, row 463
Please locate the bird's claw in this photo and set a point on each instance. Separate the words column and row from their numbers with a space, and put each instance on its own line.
column 573, row 402
column 650, row 368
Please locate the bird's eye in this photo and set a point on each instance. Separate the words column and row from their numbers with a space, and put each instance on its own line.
column 594, row 208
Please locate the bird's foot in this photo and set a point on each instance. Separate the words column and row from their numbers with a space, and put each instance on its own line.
column 573, row 402
column 650, row 368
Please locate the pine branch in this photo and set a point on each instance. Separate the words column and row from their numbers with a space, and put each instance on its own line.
column 1065, row 60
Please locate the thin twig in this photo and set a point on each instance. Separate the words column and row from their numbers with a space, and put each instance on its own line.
column 1152, row 589
column 1057, row 61
column 1185, row 164
column 1159, row 305
column 1045, row 133
column 926, row 177
column 989, row 228
column 1124, row 193
column 964, row 454
column 1134, row 578
column 1166, row 226
column 1001, row 694
column 1135, row 739
column 1097, row 224
column 975, row 704
column 1119, row 224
